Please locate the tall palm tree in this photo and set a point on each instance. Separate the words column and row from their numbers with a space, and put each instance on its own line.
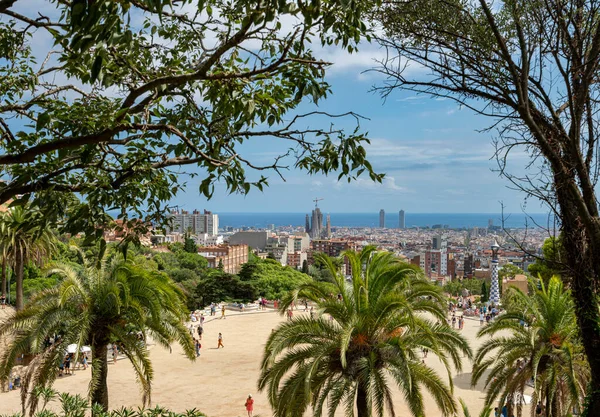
column 27, row 237
column 370, row 335
column 4, row 247
column 117, row 302
column 536, row 340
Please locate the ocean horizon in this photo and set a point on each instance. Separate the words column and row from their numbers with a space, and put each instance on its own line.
column 451, row 220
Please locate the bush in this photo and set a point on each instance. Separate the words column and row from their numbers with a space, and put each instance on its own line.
column 77, row 406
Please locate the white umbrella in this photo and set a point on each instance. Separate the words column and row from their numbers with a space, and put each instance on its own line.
column 85, row 349
column 526, row 399
column 72, row 348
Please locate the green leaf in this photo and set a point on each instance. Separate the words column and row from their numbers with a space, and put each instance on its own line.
column 96, row 67
column 42, row 121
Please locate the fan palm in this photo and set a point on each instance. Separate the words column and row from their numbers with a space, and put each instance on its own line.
column 26, row 237
column 367, row 337
column 96, row 306
column 536, row 340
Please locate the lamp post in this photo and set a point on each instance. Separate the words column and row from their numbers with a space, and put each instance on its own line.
column 495, row 290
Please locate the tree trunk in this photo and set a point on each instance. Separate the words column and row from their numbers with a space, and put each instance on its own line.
column 582, row 249
column 19, row 265
column 99, row 392
column 362, row 406
column 3, row 288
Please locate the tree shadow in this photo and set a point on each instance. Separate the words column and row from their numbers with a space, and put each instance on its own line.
column 463, row 381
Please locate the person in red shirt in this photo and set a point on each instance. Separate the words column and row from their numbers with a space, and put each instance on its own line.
column 249, row 405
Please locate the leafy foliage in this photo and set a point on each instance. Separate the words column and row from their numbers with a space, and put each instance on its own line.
column 553, row 260
column 374, row 338
column 191, row 91
column 456, row 287
column 76, row 406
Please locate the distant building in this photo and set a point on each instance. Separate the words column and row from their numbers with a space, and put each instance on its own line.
column 436, row 258
column 307, row 225
column 194, row 223
column 401, row 220
column 204, row 239
column 328, row 227
column 316, row 227
column 382, row 218
column 519, row 281
column 232, row 257
column 255, row 240
column 469, row 265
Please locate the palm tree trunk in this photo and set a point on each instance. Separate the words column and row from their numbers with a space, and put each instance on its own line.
column 362, row 406
column 99, row 392
column 3, row 288
column 19, row 265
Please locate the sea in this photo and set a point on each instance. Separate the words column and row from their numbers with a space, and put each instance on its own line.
column 443, row 220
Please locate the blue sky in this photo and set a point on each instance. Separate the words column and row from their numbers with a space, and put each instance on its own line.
column 431, row 151
column 433, row 156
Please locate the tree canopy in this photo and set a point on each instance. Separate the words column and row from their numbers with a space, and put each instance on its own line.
column 126, row 93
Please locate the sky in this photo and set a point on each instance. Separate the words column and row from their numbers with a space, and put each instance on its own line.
column 432, row 152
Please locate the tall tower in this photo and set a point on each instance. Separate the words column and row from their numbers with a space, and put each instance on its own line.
column 307, row 225
column 495, row 289
column 382, row 218
column 328, row 228
column 316, row 225
column 401, row 220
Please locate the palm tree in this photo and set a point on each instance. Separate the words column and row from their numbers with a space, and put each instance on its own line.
column 4, row 233
column 117, row 302
column 536, row 340
column 371, row 333
column 26, row 237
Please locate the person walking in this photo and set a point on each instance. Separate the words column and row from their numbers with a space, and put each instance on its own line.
column 115, row 353
column 198, row 346
column 200, row 332
column 249, row 405
column 223, row 311
column 220, row 344
column 3, row 301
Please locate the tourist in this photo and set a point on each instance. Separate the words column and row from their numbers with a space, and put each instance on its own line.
column 201, row 319
column 481, row 318
column 290, row 314
column 312, row 313
column 200, row 332
column 115, row 352
column 3, row 301
column 213, row 309
column 220, row 344
column 223, row 312
column 249, row 405
column 68, row 364
column 84, row 361
column 425, row 352
column 192, row 330
column 453, row 321
column 197, row 345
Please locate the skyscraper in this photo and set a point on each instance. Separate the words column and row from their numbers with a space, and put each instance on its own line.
column 328, row 228
column 316, row 224
column 401, row 220
column 382, row 218
column 307, row 225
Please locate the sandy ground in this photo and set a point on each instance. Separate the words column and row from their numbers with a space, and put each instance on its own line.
column 219, row 381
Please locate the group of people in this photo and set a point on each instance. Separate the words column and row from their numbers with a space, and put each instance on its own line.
column 460, row 321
